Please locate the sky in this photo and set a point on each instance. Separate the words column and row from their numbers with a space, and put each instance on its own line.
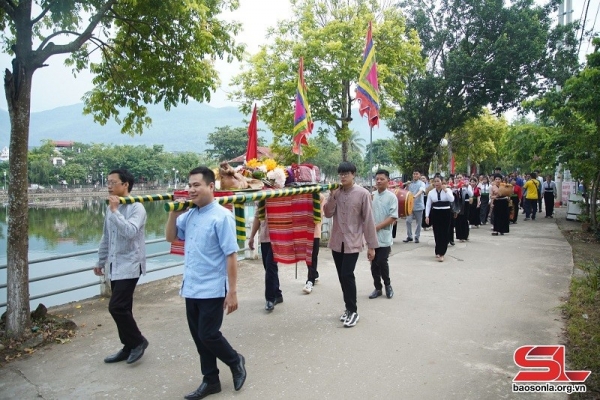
column 55, row 86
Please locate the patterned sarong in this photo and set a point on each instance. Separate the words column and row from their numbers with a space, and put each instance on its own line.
column 291, row 223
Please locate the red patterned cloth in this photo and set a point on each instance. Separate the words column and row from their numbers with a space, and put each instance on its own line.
column 178, row 246
column 291, row 227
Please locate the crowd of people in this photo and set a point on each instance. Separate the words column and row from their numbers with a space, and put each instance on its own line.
column 451, row 207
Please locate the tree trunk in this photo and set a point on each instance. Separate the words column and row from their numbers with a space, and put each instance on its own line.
column 593, row 202
column 17, row 86
column 345, row 150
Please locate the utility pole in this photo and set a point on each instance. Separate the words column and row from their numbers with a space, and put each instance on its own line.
column 565, row 16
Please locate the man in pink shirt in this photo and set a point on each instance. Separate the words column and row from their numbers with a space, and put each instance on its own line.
column 353, row 224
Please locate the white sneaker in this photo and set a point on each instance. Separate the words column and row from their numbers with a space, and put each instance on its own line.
column 308, row 287
column 352, row 320
column 344, row 316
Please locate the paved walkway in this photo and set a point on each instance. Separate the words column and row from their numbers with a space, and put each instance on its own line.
column 449, row 332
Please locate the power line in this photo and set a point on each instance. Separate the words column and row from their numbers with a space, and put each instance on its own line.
column 593, row 26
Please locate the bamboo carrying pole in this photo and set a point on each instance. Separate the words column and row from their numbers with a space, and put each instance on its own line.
column 254, row 196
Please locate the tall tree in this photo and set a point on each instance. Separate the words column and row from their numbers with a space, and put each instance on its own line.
column 572, row 113
column 228, row 142
column 480, row 53
column 330, row 35
column 154, row 51
column 477, row 140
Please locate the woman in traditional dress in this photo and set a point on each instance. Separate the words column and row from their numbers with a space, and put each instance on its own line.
column 462, row 192
column 428, row 187
column 484, row 193
column 439, row 214
column 499, row 208
column 474, row 204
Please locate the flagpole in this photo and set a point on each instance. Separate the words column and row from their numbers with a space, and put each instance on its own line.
column 370, row 158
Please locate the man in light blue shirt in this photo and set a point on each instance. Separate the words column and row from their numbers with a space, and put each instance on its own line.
column 385, row 213
column 417, row 188
column 209, row 279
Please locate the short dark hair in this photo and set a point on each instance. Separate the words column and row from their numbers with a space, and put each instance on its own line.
column 208, row 175
column 383, row 172
column 533, row 175
column 346, row 166
column 497, row 176
column 498, row 169
column 124, row 176
column 416, row 170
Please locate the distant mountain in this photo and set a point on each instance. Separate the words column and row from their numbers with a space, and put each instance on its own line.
column 183, row 128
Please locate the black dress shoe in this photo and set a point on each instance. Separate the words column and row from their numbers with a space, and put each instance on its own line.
column 389, row 292
column 451, row 243
column 269, row 306
column 278, row 300
column 203, row 390
column 138, row 352
column 120, row 356
column 408, row 239
column 238, row 371
column 376, row 293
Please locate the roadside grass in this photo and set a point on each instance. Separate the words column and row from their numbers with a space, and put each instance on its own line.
column 582, row 311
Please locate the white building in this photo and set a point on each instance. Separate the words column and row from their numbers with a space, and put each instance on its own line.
column 4, row 154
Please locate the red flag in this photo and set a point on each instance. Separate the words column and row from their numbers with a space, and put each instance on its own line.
column 252, row 150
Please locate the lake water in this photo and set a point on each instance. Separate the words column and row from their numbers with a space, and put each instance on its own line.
column 59, row 231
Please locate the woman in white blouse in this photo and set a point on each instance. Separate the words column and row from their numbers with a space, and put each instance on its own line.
column 439, row 214
column 484, row 193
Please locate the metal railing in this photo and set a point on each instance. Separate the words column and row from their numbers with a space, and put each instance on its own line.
column 100, row 282
column 325, row 230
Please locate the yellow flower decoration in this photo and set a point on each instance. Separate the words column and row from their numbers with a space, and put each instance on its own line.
column 254, row 163
column 270, row 164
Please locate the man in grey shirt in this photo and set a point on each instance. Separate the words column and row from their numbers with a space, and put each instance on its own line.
column 123, row 249
column 385, row 213
column 417, row 188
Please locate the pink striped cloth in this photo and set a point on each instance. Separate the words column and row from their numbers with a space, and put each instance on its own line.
column 291, row 228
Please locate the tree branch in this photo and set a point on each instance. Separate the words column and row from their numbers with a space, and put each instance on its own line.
column 42, row 14
column 9, row 7
column 52, row 49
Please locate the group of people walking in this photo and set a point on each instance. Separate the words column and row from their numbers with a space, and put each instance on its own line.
column 454, row 206
column 359, row 218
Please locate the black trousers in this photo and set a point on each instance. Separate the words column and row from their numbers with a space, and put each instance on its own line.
column 120, row 307
column 380, row 268
column 441, row 220
column 312, row 268
column 461, row 222
column 484, row 208
column 549, row 203
column 272, row 290
column 530, row 208
column 205, row 317
column 345, row 264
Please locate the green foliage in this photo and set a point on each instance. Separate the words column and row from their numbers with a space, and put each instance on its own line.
column 574, row 127
column 330, row 35
column 228, row 143
column 480, row 54
column 582, row 311
column 477, row 140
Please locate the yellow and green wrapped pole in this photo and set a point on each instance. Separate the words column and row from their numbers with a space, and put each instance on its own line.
column 145, row 198
column 255, row 196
